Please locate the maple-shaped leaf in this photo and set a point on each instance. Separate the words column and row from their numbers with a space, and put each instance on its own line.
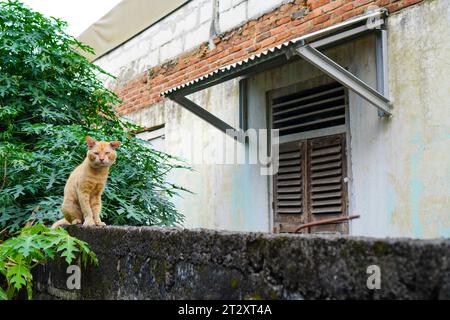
column 87, row 254
column 33, row 246
column 34, row 229
column 19, row 274
column 28, row 245
column 67, row 247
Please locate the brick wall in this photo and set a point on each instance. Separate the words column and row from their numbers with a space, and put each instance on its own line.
column 287, row 22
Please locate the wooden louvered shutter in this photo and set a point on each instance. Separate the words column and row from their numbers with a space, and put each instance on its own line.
column 288, row 187
column 317, row 108
column 310, row 186
column 327, row 190
column 310, row 183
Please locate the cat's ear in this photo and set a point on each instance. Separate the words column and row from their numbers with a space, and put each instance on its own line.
column 114, row 144
column 90, row 142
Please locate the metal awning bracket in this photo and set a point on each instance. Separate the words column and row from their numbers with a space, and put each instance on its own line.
column 307, row 48
column 335, row 71
column 205, row 115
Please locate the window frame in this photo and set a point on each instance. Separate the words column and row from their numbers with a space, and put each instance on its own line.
column 308, row 135
column 152, row 134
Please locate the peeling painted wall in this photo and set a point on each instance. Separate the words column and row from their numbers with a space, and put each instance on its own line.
column 218, row 189
column 399, row 168
column 415, row 143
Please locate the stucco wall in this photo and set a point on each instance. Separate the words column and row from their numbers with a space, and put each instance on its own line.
column 152, row 263
column 401, row 166
column 216, row 186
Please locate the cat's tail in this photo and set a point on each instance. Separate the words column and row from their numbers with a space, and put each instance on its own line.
column 62, row 222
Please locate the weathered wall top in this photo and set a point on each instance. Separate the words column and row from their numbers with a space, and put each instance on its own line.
column 155, row 263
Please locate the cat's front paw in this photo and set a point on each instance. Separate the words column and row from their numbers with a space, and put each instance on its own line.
column 100, row 223
column 89, row 222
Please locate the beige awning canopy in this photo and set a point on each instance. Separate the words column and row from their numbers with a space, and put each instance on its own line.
column 124, row 21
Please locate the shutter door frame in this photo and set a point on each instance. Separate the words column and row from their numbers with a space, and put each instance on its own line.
column 287, row 222
column 341, row 227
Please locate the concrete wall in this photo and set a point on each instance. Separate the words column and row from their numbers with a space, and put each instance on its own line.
column 217, row 188
column 181, row 31
column 398, row 168
column 151, row 263
column 401, row 166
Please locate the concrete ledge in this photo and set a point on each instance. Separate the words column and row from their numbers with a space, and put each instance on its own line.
column 156, row 263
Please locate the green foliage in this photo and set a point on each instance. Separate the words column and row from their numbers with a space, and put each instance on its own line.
column 33, row 246
column 50, row 99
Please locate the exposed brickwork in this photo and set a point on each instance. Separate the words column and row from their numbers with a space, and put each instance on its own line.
column 286, row 22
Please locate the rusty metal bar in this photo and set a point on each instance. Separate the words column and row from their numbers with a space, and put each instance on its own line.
column 325, row 221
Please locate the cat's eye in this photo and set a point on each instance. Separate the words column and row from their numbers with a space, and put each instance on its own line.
column 107, row 152
column 96, row 153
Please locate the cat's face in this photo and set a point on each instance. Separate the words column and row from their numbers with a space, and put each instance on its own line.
column 101, row 153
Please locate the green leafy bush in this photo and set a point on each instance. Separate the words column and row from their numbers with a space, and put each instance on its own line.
column 50, row 99
column 33, row 246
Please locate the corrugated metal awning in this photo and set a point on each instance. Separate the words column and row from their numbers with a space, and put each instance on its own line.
column 275, row 55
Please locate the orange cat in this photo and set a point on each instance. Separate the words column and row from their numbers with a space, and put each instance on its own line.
column 83, row 191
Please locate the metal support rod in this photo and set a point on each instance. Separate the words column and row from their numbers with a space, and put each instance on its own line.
column 374, row 14
column 382, row 65
column 325, row 221
column 341, row 36
column 202, row 113
column 343, row 76
column 332, row 40
column 243, row 124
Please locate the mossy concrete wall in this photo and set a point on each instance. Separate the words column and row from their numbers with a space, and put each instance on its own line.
column 155, row 263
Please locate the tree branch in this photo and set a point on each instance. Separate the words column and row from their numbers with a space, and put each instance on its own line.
column 4, row 176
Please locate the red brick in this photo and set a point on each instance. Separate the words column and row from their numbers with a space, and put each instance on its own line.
column 332, row 5
column 406, row 3
column 254, row 36
column 321, row 19
column 358, row 3
column 268, row 42
column 263, row 36
column 313, row 4
column 343, row 9
column 278, row 30
column 283, row 21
